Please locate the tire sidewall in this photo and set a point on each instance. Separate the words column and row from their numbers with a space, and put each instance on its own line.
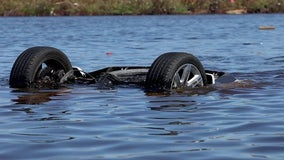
column 162, row 71
column 190, row 59
column 27, row 65
column 54, row 59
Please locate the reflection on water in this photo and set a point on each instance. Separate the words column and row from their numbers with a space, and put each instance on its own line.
column 36, row 97
column 171, row 105
column 240, row 120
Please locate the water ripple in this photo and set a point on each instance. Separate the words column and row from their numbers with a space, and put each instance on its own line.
column 240, row 120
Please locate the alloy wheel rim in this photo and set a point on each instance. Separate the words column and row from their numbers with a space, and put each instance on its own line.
column 187, row 76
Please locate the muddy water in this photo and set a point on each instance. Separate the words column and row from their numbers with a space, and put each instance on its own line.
column 242, row 120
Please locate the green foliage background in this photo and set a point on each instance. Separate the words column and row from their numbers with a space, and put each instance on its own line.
column 134, row 7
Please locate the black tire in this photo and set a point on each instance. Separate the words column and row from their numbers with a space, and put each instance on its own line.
column 29, row 65
column 166, row 68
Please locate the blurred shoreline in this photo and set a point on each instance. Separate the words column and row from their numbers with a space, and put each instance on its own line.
column 136, row 7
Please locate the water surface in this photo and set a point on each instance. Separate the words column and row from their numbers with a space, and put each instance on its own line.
column 84, row 122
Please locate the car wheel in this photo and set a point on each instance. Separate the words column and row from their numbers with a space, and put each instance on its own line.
column 36, row 64
column 175, row 70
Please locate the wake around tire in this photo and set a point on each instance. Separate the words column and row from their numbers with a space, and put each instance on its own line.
column 38, row 64
column 175, row 70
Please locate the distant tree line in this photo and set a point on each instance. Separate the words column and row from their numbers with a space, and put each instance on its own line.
column 136, row 7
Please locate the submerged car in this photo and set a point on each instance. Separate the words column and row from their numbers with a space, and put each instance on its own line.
column 48, row 67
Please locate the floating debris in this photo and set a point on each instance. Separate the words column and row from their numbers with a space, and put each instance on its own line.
column 266, row 28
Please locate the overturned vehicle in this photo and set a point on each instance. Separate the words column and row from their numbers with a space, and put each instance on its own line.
column 48, row 67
